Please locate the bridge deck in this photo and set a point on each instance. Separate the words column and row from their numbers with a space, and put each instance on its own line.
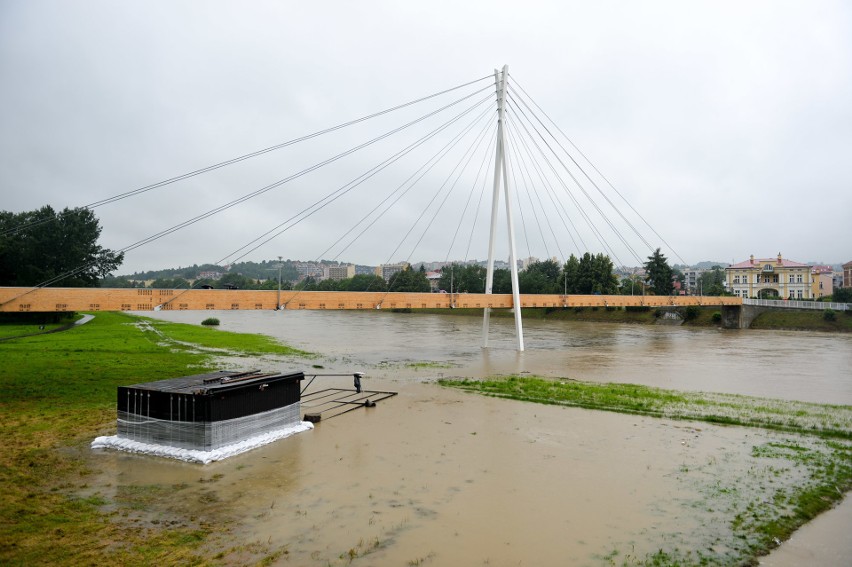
column 123, row 299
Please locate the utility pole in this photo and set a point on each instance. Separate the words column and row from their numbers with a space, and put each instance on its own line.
column 500, row 81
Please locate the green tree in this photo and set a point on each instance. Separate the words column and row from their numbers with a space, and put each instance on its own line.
column 119, row 282
column 236, row 281
column 591, row 274
column 502, row 281
column 42, row 245
column 540, row 277
column 456, row 278
column 659, row 274
column 842, row 295
column 712, row 282
column 570, row 275
column 409, row 280
column 364, row 282
column 328, row 285
column 170, row 283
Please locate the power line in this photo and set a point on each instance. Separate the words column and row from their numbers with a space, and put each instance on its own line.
column 250, row 155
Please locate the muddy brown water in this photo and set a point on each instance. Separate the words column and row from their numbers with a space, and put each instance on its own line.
column 436, row 476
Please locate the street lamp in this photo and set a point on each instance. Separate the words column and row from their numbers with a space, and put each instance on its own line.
column 278, row 303
column 279, row 266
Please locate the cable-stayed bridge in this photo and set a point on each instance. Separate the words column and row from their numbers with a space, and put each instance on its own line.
column 536, row 175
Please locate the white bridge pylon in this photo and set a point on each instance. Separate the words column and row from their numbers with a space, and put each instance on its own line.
column 500, row 78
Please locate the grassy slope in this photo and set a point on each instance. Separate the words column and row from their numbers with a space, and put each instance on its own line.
column 802, row 320
column 58, row 390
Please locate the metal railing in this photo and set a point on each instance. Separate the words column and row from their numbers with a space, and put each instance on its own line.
column 793, row 304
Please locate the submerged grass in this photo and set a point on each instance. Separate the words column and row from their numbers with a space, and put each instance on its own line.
column 57, row 391
column 789, row 481
column 731, row 409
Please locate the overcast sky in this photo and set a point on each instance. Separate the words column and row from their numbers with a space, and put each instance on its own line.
column 727, row 125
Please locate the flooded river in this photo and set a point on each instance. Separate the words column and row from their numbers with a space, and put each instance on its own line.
column 439, row 477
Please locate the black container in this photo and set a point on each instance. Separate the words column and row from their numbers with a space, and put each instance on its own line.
column 216, row 396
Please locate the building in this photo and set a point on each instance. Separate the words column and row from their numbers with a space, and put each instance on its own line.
column 386, row 271
column 308, row 269
column 822, row 281
column 433, row 278
column 691, row 280
column 342, row 272
column 847, row 274
column 770, row 278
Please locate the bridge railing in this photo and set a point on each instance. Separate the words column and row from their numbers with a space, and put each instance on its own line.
column 791, row 304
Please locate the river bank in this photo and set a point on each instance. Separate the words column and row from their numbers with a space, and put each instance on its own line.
column 698, row 317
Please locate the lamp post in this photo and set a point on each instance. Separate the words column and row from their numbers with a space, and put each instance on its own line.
column 278, row 304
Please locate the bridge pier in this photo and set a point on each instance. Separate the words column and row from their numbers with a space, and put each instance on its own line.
column 740, row 316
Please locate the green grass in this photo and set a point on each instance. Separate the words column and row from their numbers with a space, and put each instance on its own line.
column 57, row 391
column 21, row 328
column 211, row 337
column 789, row 482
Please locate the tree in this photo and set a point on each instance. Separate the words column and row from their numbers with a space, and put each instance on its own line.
column 364, row 282
column 409, row 280
column 842, row 295
column 659, row 274
column 570, row 275
column 591, row 274
column 456, row 278
column 170, row 283
column 235, row 281
column 42, row 245
column 307, row 284
column 502, row 281
column 540, row 277
column 712, row 282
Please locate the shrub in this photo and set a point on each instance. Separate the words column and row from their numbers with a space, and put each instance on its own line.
column 210, row 322
column 578, row 310
column 692, row 312
column 637, row 308
column 658, row 313
column 829, row 315
column 717, row 317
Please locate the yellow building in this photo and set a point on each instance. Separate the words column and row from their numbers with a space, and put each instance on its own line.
column 342, row 272
column 770, row 278
column 822, row 281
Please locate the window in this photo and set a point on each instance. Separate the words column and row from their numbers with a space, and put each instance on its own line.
column 799, row 293
column 792, row 278
column 736, row 279
column 775, row 278
column 799, row 278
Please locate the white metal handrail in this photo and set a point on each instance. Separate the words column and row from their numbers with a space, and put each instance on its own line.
column 795, row 304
